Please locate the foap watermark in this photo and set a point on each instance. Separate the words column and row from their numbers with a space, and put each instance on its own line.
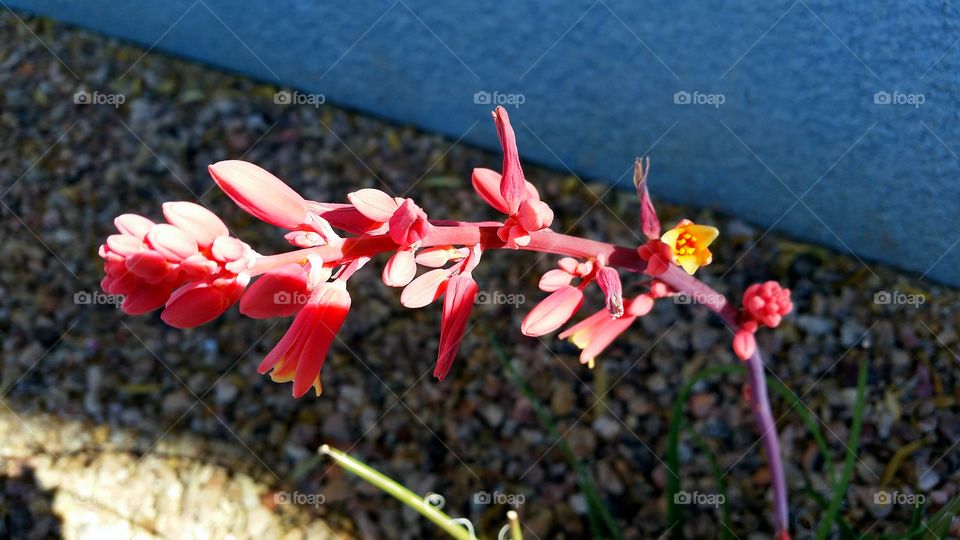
column 511, row 499
column 300, row 499
column 706, row 299
column 897, row 497
column 286, row 298
column 482, row 97
column 683, row 97
column 285, row 97
column 498, row 298
column 699, row 499
column 82, row 97
column 882, row 97
column 86, row 298
column 897, row 298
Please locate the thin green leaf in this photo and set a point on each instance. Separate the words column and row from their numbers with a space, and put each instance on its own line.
column 392, row 487
column 597, row 512
column 674, row 511
column 840, row 488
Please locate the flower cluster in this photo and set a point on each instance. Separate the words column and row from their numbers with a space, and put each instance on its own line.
column 190, row 264
column 195, row 270
column 193, row 267
column 763, row 304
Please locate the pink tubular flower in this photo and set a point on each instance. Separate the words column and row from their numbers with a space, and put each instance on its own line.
column 320, row 307
column 406, row 223
column 595, row 333
column 649, row 222
column 460, row 290
column 260, row 193
column 553, row 311
column 299, row 355
column 191, row 264
column 609, row 281
column 457, row 305
column 513, row 195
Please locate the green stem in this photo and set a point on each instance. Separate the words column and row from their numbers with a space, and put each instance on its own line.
column 398, row 491
column 840, row 488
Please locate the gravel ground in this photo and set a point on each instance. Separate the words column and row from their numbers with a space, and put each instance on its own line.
column 119, row 425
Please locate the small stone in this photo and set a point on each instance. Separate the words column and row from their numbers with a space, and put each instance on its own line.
column 606, row 427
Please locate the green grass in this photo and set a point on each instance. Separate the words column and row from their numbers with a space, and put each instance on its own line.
column 602, row 524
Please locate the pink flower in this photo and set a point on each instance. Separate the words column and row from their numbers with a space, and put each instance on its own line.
column 406, row 223
column 301, row 352
column 649, row 222
column 260, row 193
column 457, row 304
column 191, row 264
column 609, row 281
column 658, row 256
column 744, row 344
column 767, row 303
column 595, row 333
column 459, row 289
column 510, row 192
column 553, row 311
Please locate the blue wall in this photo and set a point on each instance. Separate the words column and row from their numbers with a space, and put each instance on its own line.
column 798, row 81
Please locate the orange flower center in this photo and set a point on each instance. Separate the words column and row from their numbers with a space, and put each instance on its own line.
column 686, row 244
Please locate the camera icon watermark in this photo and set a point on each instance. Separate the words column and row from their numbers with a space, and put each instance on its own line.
column 500, row 299
column 482, row 97
column 86, row 298
column 897, row 298
column 285, row 97
column 699, row 499
column 896, row 497
column 708, row 299
column 511, row 499
column 682, row 97
column 882, row 97
column 83, row 97
column 300, row 499
column 286, row 298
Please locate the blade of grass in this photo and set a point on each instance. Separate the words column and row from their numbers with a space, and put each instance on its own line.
column 597, row 511
column 939, row 523
column 845, row 531
column 674, row 511
column 840, row 487
column 718, row 477
column 398, row 491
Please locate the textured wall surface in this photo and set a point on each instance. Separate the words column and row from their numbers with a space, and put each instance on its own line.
column 799, row 142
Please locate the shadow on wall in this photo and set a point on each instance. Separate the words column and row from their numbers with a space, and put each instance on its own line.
column 26, row 509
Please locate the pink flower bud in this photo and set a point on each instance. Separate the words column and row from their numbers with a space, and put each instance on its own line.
column 171, row 242
column 198, row 222
column 260, row 193
column 400, row 269
column 609, row 281
column 649, row 222
column 744, row 344
column 552, row 312
column 409, row 224
column 374, row 204
column 534, row 215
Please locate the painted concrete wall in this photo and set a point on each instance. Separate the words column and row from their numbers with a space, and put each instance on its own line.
column 802, row 140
